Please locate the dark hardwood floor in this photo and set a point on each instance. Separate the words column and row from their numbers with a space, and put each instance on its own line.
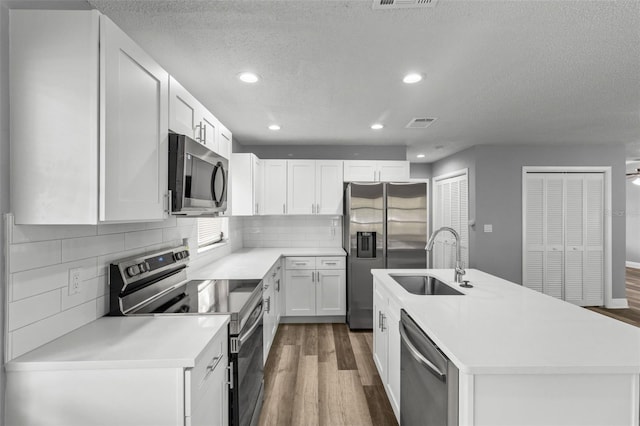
column 323, row 374
column 630, row 315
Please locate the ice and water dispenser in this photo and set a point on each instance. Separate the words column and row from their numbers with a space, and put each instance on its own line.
column 366, row 244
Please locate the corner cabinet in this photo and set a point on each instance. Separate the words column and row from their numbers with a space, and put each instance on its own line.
column 314, row 187
column 376, row 171
column 247, row 185
column 98, row 149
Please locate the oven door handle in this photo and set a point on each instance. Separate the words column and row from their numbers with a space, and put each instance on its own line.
column 244, row 336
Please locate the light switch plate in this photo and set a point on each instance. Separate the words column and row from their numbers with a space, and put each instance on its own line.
column 488, row 228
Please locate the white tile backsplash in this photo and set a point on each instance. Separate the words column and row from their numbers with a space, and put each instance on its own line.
column 82, row 248
column 40, row 308
column 293, row 231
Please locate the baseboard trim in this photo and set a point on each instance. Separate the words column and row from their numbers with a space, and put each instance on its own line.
column 313, row 320
column 633, row 265
column 620, row 303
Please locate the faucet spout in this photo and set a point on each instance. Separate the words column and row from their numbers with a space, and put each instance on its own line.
column 459, row 271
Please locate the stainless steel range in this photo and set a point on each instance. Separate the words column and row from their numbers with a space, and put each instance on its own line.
column 156, row 284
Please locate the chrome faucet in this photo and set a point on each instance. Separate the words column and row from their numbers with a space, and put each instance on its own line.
column 459, row 273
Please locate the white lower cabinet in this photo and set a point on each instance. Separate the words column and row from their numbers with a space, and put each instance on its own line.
column 315, row 286
column 273, row 305
column 386, row 344
column 135, row 392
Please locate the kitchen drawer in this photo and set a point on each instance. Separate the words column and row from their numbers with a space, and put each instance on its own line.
column 210, row 360
column 335, row 262
column 301, row 263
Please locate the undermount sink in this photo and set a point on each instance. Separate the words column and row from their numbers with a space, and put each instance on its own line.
column 425, row 285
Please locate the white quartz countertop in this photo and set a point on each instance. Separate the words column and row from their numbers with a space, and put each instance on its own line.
column 254, row 263
column 499, row 327
column 127, row 342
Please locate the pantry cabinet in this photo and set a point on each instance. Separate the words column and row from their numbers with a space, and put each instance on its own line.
column 315, row 286
column 189, row 117
column 97, row 151
column 376, row 171
column 314, row 187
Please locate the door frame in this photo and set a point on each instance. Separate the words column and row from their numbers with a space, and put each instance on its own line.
column 609, row 302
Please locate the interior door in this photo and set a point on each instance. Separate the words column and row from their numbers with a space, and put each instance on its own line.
column 451, row 208
column 134, row 129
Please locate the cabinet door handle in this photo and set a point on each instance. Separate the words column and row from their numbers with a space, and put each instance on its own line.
column 256, row 208
column 313, row 208
column 214, row 363
column 383, row 326
column 380, row 320
column 313, row 276
column 318, row 275
column 268, row 302
column 277, row 285
column 284, row 209
column 204, row 139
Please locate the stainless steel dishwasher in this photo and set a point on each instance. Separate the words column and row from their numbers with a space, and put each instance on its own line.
column 428, row 380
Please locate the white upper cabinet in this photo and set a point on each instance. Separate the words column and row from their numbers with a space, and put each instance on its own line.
column 189, row 117
column 376, row 171
column 134, row 138
column 275, row 187
column 301, row 187
column 329, row 187
column 246, row 185
column 314, row 187
column 97, row 151
column 183, row 110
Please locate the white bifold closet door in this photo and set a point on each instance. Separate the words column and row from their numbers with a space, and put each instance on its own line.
column 451, row 208
column 564, row 236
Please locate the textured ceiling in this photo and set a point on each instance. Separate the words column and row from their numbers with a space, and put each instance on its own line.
column 498, row 72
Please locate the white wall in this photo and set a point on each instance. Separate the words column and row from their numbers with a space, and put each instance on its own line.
column 293, row 231
column 633, row 219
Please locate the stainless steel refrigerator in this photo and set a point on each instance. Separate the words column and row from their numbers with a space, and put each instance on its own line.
column 385, row 226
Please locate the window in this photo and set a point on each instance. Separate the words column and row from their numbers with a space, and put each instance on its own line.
column 212, row 230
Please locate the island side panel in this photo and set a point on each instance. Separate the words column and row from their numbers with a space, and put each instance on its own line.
column 95, row 397
column 558, row 399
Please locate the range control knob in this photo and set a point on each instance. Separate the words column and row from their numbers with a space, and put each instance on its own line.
column 132, row 271
column 144, row 267
column 185, row 254
column 178, row 255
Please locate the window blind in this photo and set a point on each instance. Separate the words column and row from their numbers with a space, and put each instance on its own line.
column 210, row 230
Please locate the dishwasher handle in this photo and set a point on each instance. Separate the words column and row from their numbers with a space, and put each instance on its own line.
column 420, row 357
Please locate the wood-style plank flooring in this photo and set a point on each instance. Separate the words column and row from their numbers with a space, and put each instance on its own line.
column 630, row 315
column 323, row 374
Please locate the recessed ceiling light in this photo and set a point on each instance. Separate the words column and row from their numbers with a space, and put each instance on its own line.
column 248, row 77
column 376, row 126
column 420, row 155
column 274, row 127
column 412, row 78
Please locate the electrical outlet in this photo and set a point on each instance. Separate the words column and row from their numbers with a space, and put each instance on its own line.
column 488, row 228
column 74, row 281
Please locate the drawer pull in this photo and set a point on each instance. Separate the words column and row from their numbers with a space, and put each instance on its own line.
column 331, row 263
column 300, row 263
column 214, row 363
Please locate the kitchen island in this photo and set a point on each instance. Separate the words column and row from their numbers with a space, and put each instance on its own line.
column 523, row 357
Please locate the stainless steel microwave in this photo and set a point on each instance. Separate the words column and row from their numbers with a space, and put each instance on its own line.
column 198, row 178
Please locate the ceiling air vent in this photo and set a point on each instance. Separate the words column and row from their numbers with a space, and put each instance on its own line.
column 420, row 123
column 403, row 4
